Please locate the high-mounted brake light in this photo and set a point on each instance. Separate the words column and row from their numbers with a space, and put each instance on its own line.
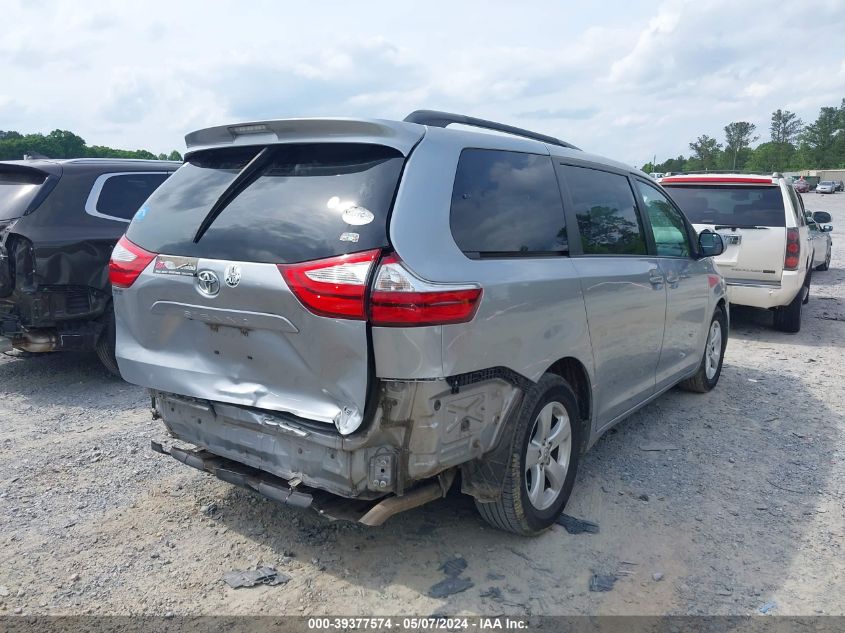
column 127, row 262
column 709, row 180
column 333, row 287
column 792, row 258
column 400, row 298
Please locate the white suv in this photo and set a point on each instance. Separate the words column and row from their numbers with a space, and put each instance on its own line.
column 768, row 254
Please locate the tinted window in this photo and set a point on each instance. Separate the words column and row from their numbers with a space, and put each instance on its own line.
column 667, row 225
column 507, row 203
column 606, row 210
column 294, row 209
column 121, row 196
column 798, row 204
column 17, row 190
column 725, row 205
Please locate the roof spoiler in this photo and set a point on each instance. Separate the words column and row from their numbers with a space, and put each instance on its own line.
column 400, row 136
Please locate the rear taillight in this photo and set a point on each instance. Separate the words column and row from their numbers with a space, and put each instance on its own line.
column 337, row 287
column 333, row 287
column 792, row 258
column 127, row 262
column 400, row 298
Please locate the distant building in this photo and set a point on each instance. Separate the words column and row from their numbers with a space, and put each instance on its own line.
column 824, row 174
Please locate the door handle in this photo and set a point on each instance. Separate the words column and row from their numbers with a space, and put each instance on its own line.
column 673, row 280
column 655, row 278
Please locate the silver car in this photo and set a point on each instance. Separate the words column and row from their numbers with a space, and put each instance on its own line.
column 826, row 186
column 333, row 308
column 819, row 223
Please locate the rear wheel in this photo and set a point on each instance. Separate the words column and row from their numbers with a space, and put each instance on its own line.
column 714, row 352
column 544, row 457
column 105, row 347
column 788, row 317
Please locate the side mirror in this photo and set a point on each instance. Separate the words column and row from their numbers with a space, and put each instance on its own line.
column 711, row 244
column 827, row 228
column 822, row 217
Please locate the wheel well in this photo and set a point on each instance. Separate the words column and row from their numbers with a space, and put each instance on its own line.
column 574, row 372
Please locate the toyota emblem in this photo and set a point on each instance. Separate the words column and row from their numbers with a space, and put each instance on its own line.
column 208, row 283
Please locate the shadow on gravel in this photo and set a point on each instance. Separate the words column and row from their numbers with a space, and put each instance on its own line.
column 757, row 325
column 822, row 279
column 61, row 378
column 733, row 504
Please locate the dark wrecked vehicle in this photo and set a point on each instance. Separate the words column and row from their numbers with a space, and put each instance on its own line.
column 59, row 221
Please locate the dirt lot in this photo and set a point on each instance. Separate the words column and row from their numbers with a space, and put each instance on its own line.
column 749, row 509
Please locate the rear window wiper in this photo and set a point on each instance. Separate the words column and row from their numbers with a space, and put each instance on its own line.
column 740, row 226
column 244, row 178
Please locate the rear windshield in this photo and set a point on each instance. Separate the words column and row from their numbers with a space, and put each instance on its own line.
column 309, row 202
column 730, row 206
column 17, row 190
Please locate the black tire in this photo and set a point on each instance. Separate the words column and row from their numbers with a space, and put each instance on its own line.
column 513, row 511
column 788, row 317
column 700, row 383
column 105, row 346
column 826, row 264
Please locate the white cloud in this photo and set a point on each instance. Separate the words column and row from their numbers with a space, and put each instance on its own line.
column 757, row 90
column 628, row 81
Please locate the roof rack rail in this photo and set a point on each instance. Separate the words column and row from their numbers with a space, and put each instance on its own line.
column 436, row 118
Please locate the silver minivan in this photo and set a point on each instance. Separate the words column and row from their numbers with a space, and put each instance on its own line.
column 364, row 309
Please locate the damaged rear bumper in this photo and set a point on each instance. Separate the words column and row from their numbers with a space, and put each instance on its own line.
column 237, row 474
column 420, row 430
column 288, row 492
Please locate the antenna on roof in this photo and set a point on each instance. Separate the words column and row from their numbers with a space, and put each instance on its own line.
column 436, row 118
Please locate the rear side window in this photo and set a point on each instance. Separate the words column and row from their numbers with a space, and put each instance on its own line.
column 507, row 204
column 121, row 195
column 725, row 205
column 18, row 188
column 310, row 201
column 798, row 205
column 606, row 210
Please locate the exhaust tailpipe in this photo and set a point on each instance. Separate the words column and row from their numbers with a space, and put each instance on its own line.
column 37, row 341
column 386, row 508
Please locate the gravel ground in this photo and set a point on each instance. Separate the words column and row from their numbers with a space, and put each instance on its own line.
column 747, row 511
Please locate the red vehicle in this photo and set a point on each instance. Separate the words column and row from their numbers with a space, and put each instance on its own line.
column 801, row 185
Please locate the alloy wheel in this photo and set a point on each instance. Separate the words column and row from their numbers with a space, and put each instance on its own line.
column 713, row 351
column 548, row 455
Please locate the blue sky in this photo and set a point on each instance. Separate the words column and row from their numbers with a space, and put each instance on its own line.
column 624, row 79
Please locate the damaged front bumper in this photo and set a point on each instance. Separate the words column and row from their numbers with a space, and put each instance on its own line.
column 420, row 430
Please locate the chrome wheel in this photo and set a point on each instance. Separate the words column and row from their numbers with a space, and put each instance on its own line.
column 548, row 454
column 713, row 350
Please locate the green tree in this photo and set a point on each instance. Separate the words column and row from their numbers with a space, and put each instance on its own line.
column 786, row 126
column 64, row 144
column 706, row 151
column 771, row 157
column 784, row 131
column 820, row 138
column 738, row 138
column 174, row 155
